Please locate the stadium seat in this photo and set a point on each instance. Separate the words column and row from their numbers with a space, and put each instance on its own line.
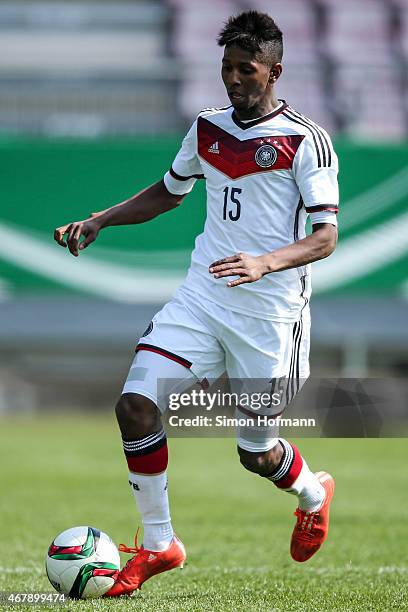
column 368, row 114
column 302, row 88
column 402, row 5
column 357, row 31
column 195, row 29
column 296, row 19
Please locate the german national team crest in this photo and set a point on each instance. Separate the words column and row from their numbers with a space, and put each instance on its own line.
column 266, row 156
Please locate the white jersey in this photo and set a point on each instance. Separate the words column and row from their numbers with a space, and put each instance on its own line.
column 263, row 178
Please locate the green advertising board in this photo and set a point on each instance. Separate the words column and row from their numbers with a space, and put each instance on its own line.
column 48, row 183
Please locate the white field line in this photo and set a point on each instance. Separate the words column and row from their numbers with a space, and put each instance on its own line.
column 363, row 206
column 125, row 284
column 21, row 569
column 362, row 254
column 158, row 259
column 383, row 569
column 354, row 258
column 216, row 569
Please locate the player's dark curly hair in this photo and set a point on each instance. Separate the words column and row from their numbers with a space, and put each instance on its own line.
column 254, row 32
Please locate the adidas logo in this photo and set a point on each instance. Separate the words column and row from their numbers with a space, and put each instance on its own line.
column 151, row 557
column 214, row 148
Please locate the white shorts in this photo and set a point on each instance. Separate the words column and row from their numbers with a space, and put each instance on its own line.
column 193, row 339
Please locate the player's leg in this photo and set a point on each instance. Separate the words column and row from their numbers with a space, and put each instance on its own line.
column 144, row 440
column 169, row 359
column 280, row 351
column 287, row 469
column 145, row 448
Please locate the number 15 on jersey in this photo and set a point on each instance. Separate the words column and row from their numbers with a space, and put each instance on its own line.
column 232, row 206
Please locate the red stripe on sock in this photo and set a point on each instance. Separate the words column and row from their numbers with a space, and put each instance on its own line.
column 287, row 481
column 152, row 463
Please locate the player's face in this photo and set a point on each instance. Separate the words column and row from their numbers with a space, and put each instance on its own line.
column 247, row 81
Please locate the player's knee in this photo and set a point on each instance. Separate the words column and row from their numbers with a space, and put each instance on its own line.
column 263, row 463
column 254, row 462
column 137, row 415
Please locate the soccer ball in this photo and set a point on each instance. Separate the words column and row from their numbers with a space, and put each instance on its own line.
column 82, row 562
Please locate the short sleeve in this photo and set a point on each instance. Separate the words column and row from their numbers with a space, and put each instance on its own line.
column 186, row 167
column 315, row 170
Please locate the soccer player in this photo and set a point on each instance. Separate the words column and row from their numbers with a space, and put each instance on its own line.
column 243, row 307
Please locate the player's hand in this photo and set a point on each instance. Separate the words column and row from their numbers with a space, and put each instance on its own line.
column 87, row 229
column 248, row 268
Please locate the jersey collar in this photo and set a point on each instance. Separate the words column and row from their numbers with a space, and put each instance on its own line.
column 249, row 124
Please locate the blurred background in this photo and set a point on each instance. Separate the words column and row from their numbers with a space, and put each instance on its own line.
column 95, row 98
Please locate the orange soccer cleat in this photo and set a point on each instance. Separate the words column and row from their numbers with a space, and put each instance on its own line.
column 144, row 565
column 312, row 527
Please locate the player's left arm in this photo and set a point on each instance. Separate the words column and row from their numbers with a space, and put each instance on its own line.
column 316, row 177
column 318, row 245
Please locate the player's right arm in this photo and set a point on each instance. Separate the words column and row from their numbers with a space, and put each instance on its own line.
column 146, row 205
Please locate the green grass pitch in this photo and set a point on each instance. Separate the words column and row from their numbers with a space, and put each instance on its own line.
column 58, row 472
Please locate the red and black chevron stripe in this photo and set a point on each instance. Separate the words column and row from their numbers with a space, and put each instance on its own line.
column 236, row 157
